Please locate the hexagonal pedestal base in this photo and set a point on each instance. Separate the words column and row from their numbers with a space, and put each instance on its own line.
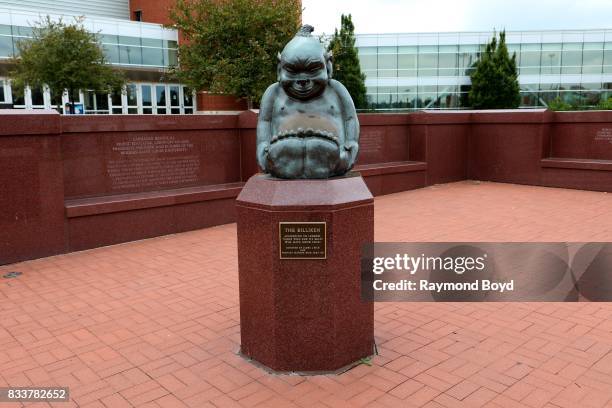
column 304, row 315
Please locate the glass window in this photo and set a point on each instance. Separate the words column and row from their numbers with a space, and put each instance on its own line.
column 152, row 42
column 22, row 31
column 572, row 62
column 117, row 102
column 6, row 46
column 368, row 61
column 90, row 100
column 132, row 98
column 548, row 96
column 407, row 49
column 146, row 95
column 426, row 100
column 38, row 98
column 427, row 89
column 112, row 53
column 514, row 49
column 549, row 87
column 448, row 49
column 530, row 59
column 448, row 64
column 108, row 39
column 370, row 73
column 5, row 30
column 592, row 86
column 407, row 64
column 428, row 60
column 529, row 99
column 187, row 96
column 130, row 55
column 449, row 100
column 571, row 97
column 570, row 87
column 171, row 58
column 175, row 101
column 387, row 89
column 368, row 50
column 551, row 62
column 101, row 102
column 593, row 46
column 153, row 56
column 147, row 101
column 160, row 96
column 387, row 50
column 428, row 64
column 571, row 59
column 607, row 62
column 130, row 91
column 592, row 61
column 407, row 100
column 407, row 61
column 16, row 42
column 387, row 65
column 129, row 40
column 468, row 54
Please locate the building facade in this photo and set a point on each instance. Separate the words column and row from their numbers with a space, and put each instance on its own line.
column 144, row 51
column 431, row 70
column 403, row 71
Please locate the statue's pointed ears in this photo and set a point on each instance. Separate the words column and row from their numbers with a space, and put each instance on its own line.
column 278, row 55
column 329, row 55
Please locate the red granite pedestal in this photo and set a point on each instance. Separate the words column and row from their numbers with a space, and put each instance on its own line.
column 304, row 315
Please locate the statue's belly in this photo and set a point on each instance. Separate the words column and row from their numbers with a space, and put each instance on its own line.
column 305, row 146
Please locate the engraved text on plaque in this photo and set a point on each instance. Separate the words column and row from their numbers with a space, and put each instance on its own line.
column 302, row 240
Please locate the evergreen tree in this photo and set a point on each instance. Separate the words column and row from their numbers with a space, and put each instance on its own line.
column 495, row 77
column 346, row 62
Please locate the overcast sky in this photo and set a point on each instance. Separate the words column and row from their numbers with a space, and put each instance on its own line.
column 401, row 16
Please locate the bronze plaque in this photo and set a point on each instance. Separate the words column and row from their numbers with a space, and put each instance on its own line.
column 302, row 240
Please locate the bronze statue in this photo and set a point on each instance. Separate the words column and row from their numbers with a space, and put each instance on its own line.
column 308, row 126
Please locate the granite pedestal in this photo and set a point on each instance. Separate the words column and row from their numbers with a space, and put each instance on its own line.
column 304, row 315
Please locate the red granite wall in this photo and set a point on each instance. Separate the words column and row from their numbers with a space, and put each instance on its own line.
column 71, row 183
column 31, row 186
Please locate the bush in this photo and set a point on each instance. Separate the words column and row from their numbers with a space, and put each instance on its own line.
column 605, row 105
column 558, row 104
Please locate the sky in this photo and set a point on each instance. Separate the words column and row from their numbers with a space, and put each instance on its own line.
column 407, row 16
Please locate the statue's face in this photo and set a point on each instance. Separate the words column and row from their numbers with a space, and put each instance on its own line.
column 303, row 70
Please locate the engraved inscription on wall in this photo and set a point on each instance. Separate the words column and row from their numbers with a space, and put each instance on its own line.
column 143, row 162
column 371, row 141
column 604, row 134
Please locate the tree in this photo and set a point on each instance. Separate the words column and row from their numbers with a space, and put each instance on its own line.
column 64, row 57
column 231, row 45
column 346, row 61
column 495, row 78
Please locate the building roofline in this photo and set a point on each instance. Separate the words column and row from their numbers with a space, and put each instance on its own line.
column 573, row 30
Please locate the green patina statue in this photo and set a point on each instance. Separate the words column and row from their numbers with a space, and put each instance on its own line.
column 308, row 126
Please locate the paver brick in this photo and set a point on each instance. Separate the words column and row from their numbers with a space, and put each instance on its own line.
column 155, row 323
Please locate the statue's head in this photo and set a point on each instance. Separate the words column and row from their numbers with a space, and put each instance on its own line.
column 304, row 68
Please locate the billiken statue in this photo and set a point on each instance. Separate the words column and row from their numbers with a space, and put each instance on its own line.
column 307, row 127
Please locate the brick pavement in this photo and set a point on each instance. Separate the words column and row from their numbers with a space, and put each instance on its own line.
column 154, row 323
